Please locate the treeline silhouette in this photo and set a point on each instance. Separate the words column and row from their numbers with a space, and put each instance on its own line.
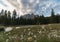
column 6, row 19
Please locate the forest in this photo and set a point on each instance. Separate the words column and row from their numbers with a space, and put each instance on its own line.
column 7, row 19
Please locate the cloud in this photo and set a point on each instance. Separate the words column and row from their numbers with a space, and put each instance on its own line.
column 1, row 2
column 34, row 5
column 30, row 6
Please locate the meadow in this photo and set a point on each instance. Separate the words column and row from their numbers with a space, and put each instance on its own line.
column 32, row 33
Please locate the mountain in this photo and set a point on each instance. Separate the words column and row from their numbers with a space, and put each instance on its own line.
column 29, row 16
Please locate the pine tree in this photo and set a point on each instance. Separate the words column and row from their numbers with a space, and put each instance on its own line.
column 9, row 18
column 2, row 12
column 9, row 14
column 2, row 17
column 6, row 13
column 14, row 14
column 14, row 17
column 52, row 19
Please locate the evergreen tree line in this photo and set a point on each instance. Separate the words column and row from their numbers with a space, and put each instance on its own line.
column 7, row 19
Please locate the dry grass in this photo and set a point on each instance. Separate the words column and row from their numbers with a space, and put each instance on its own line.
column 32, row 33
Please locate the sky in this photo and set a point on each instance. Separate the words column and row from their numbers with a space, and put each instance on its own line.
column 31, row 6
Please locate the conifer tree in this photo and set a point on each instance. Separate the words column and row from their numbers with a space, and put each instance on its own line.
column 52, row 19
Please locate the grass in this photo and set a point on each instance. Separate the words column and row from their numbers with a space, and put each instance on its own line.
column 32, row 33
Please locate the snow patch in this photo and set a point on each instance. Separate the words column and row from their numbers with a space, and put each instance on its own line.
column 8, row 29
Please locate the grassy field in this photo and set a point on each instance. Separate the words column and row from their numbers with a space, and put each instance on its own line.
column 32, row 33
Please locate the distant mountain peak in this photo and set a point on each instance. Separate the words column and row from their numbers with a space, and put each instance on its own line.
column 29, row 16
